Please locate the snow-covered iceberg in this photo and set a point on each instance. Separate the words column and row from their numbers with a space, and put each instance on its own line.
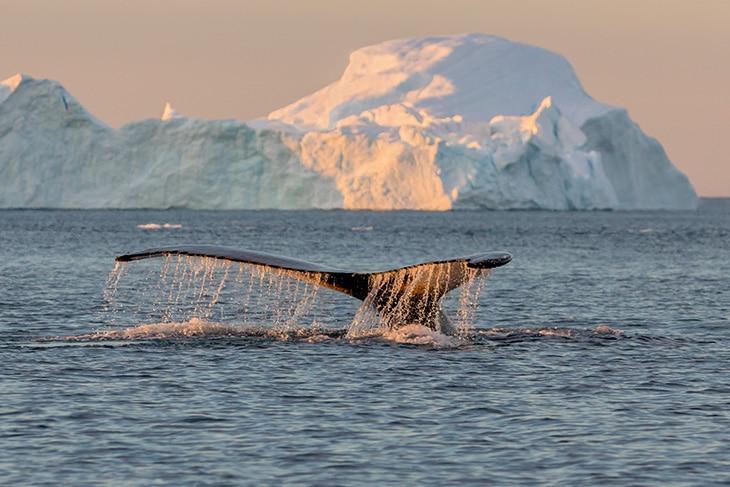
column 470, row 121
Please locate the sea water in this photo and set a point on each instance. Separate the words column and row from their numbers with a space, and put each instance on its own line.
column 599, row 355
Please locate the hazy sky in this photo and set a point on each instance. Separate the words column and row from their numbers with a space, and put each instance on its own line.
column 667, row 61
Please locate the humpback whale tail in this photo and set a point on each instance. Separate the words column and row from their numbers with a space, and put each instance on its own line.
column 400, row 296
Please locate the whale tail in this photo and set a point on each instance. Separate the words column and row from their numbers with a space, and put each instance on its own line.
column 406, row 295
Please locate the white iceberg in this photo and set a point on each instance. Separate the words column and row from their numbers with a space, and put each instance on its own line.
column 470, row 121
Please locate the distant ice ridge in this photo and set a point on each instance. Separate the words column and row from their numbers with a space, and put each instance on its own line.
column 469, row 121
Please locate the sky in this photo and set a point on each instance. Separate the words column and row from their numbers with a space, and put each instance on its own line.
column 666, row 61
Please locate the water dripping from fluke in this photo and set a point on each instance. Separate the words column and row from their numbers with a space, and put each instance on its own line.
column 253, row 289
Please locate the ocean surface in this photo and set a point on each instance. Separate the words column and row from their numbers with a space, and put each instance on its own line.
column 599, row 356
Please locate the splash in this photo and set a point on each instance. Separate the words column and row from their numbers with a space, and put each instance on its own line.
column 184, row 288
column 415, row 296
column 196, row 289
column 422, row 335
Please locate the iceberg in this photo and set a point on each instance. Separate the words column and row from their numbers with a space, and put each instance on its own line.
column 459, row 122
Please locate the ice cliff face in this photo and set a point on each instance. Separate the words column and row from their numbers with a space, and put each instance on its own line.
column 469, row 121
column 54, row 154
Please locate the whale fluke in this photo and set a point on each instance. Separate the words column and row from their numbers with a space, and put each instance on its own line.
column 405, row 295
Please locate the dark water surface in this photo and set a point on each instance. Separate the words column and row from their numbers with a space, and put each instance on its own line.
column 598, row 356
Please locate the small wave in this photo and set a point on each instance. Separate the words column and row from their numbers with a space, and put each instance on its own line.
column 361, row 229
column 156, row 226
column 413, row 334
column 606, row 330
column 548, row 331
column 200, row 329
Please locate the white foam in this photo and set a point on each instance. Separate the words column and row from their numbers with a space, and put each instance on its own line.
column 192, row 328
column 197, row 328
column 421, row 335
